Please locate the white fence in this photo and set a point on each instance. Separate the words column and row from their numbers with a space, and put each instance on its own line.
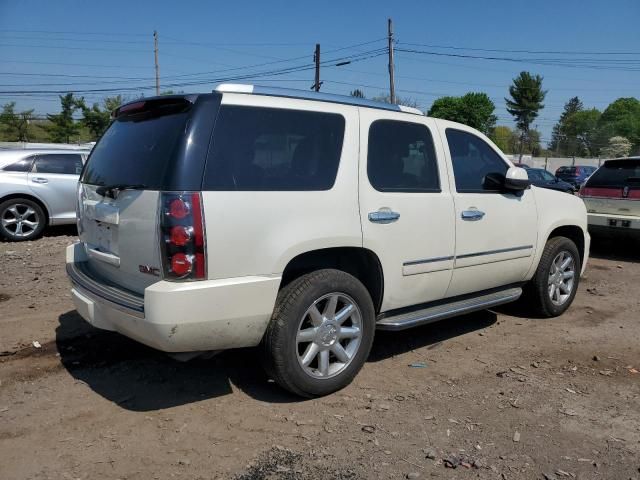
column 553, row 163
column 57, row 146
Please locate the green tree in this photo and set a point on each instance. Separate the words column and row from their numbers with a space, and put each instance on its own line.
column 474, row 109
column 525, row 103
column 447, row 108
column 16, row 124
column 63, row 127
column 561, row 139
column 505, row 138
column 581, row 129
column 621, row 119
column 357, row 93
column 96, row 119
column 617, row 147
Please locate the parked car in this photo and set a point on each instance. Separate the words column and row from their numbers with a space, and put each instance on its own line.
column 612, row 197
column 37, row 188
column 576, row 175
column 303, row 222
column 541, row 178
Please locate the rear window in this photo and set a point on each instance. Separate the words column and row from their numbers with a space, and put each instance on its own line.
column 616, row 173
column 567, row 171
column 266, row 149
column 138, row 147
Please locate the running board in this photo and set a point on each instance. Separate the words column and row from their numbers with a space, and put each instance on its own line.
column 447, row 310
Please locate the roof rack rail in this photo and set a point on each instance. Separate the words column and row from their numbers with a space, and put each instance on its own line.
column 317, row 96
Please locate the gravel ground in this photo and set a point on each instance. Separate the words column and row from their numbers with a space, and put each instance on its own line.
column 491, row 395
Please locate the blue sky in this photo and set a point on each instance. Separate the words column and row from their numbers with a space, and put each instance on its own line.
column 47, row 45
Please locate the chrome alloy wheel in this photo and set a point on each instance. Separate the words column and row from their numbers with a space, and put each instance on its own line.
column 561, row 278
column 20, row 220
column 328, row 335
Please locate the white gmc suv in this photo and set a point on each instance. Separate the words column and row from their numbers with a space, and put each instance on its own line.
column 303, row 222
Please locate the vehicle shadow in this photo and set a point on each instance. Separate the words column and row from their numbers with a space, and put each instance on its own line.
column 616, row 249
column 389, row 344
column 61, row 231
column 139, row 378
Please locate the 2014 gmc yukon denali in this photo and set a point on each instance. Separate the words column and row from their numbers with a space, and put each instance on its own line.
column 302, row 223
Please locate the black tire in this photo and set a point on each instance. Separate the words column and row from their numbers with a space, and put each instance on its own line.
column 10, row 231
column 537, row 291
column 279, row 345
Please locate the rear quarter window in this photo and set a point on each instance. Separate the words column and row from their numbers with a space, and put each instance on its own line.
column 267, row 149
column 22, row 165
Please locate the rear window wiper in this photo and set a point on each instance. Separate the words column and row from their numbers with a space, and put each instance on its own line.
column 113, row 190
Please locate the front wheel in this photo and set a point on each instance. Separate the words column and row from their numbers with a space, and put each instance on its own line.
column 320, row 333
column 555, row 283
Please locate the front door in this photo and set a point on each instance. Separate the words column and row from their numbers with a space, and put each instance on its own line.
column 406, row 209
column 496, row 232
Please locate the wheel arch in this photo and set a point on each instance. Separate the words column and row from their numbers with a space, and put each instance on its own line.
column 573, row 233
column 360, row 262
column 34, row 199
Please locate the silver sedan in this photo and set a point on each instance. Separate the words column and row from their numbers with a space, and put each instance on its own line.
column 37, row 189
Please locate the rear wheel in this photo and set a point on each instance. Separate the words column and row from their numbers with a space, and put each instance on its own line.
column 320, row 333
column 21, row 219
column 555, row 283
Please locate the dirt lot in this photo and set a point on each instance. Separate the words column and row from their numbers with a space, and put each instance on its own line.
column 494, row 395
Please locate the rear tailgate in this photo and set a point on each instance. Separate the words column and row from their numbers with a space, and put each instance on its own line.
column 614, row 188
column 121, row 235
column 154, row 145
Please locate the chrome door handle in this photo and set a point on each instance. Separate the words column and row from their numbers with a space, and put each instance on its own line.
column 39, row 180
column 472, row 215
column 383, row 216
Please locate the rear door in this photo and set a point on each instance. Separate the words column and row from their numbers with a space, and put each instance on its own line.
column 153, row 146
column 496, row 231
column 406, row 208
column 54, row 179
column 614, row 188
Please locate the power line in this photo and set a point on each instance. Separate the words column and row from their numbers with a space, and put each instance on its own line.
column 536, row 52
column 548, row 62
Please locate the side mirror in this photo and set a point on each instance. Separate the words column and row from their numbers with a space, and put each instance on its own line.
column 516, row 179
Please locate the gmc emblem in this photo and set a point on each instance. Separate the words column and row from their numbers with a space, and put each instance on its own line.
column 149, row 270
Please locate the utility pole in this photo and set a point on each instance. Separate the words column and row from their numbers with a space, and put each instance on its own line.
column 392, row 86
column 155, row 51
column 316, row 58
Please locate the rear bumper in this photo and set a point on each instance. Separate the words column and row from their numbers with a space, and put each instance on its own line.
column 177, row 316
column 614, row 225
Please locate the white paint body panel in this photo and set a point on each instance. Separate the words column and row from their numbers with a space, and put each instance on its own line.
column 424, row 231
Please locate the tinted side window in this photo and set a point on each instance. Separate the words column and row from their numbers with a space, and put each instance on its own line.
column 65, row 163
column 401, row 157
column 472, row 160
column 274, row 149
column 23, row 165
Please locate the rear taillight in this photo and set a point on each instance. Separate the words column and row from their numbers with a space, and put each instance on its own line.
column 182, row 236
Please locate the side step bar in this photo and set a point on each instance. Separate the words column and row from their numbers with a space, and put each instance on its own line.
column 403, row 321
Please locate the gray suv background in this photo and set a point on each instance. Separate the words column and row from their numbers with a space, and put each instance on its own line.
column 37, row 189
